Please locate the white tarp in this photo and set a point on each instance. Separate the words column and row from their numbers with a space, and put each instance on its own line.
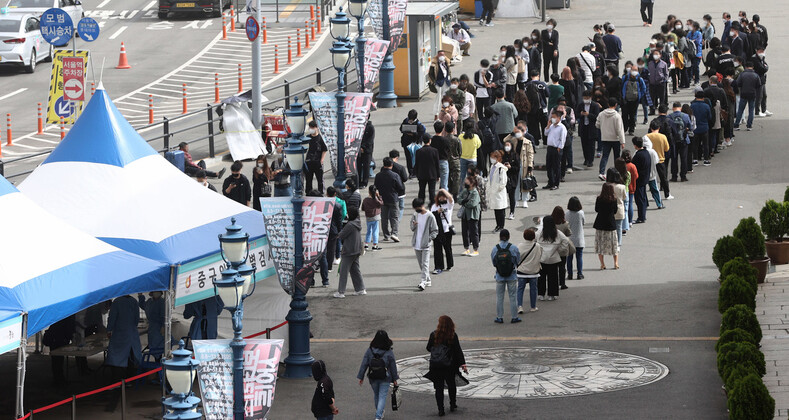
column 516, row 9
column 243, row 140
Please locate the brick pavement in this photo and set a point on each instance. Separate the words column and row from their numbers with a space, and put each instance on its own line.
column 772, row 309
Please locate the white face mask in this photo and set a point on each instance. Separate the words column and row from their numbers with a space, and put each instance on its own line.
column 445, row 104
column 554, row 121
column 507, row 148
column 483, row 70
column 259, row 165
column 627, row 69
column 453, row 87
column 518, row 135
column 731, row 33
column 761, row 55
column 656, row 57
column 503, row 52
column 634, row 73
column 549, row 27
column 442, row 58
column 312, row 131
column 587, row 101
column 678, row 26
column 493, row 161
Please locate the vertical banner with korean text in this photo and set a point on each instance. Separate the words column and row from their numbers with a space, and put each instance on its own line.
column 357, row 111
column 215, row 375
column 397, row 10
column 374, row 53
column 278, row 219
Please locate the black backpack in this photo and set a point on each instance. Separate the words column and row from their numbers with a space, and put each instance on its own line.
column 504, row 264
column 679, row 127
column 377, row 367
column 440, row 356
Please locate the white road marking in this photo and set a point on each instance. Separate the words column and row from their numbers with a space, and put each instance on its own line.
column 118, row 32
column 12, row 93
column 102, row 4
column 148, row 6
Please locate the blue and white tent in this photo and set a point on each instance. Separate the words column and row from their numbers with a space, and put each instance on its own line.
column 50, row 270
column 104, row 179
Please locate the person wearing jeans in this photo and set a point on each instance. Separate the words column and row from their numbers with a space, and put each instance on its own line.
column 528, row 269
column 469, row 200
column 749, row 84
column 506, row 280
column 379, row 377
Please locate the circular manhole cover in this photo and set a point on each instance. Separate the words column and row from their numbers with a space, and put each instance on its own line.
column 539, row 372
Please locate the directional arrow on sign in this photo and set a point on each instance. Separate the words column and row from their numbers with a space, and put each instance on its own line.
column 87, row 37
column 63, row 108
column 72, row 90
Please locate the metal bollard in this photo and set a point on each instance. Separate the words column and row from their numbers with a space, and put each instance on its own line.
column 73, row 407
column 123, row 399
column 184, row 101
column 276, row 59
column 40, row 120
column 240, row 79
column 150, row 109
column 210, row 130
column 290, row 52
column 216, row 88
column 167, row 135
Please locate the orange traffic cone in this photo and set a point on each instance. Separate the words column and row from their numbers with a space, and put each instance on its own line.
column 123, row 62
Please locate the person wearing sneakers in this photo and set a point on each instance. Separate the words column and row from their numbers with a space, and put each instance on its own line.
column 612, row 134
column 653, row 177
column 351, row 237
column 505, row 257
column 703, row 113
column 371, row 206
column 425, row 229
column 749, row 84
column 470, row 212
column 660, row 145
column 554, row 243
column 528, row 269
column 442, row 207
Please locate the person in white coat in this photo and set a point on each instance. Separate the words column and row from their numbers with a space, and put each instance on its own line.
column 498, row 200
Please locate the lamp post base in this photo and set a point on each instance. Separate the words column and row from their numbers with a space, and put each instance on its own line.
column 387, row 97
column 298, row 364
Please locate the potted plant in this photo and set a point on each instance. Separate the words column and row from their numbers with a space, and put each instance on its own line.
column 741, row 267
column 774, row 221
column 752, row 238
column 727, row 248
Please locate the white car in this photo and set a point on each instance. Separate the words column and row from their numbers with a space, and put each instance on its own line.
column 38, row 7
column 21, row 43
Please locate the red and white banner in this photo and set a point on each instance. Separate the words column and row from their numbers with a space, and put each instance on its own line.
column 357, row 111
column 374, row 53
column 396, row 20
column 215, row 375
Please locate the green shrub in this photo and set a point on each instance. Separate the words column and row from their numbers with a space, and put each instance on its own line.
column 726, row 249
column 786, row 194
column 740, row 316
column 737, row 373
column 750, row 400
column 773, row 218
column 735, row 290
column 752, row 238
column 741, row 267
column 731, row 355
column 737, row 335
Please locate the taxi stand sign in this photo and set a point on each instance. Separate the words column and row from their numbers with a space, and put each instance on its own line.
column 57, row 27
column 58, row 104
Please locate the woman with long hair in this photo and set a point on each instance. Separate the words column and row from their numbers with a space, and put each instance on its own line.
column 522, row 104
column 381, row 367
column 605, row 242
column 511, row 65
column 620, row 192
column 470, row 144
column 442, row 208
column 261, row 175
column 449, row 112
column 727, row 116
column 497, row 188
column 562, row 225
column 575, row 217
column 554, row 243
column 621, row 166
column 446, row 358
column 512, row 161
column 469, row 200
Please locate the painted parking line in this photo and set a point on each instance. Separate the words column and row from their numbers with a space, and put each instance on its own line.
column 16, row 92
column 149, row 5
column 118, row 32
column 102, row 4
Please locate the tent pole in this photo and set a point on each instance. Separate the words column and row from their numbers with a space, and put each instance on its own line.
column 21, row 361
column 169, row 301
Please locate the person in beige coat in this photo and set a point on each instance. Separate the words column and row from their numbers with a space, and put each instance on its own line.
column 524, row 146
column 612, row 131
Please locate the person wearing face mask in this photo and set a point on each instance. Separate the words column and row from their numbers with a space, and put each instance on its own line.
column 658, row 78
column 525, row 142
column 567, row 118
column 587, row 112
column 613, row 47
column 261, row 175
column 512, row 161
column 458, row 96
column 646, row 11
column 313, row 161
column 469, row 200
column 550, row 48
column 439, row 75
column 633, row 91
column 612, row 134
column 497, row 188
column 725, row 37
column 737, row 44
column 483, row 80
column 442, row 209
column 280, row 171
column 695, row 39
column 236, row 187
column 511, row 64
column 555, row 135
column 760, row 67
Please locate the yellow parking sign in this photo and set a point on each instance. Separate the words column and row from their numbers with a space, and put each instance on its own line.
column 57, row 105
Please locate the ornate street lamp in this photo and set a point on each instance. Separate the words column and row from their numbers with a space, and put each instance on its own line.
column 340, row 55
column 358, row 9
column 340, row 26
column 180, row 372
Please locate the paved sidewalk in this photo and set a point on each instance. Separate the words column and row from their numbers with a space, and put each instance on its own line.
column 772, row 306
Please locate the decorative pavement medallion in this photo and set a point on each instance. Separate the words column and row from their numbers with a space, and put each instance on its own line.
column 539, row 372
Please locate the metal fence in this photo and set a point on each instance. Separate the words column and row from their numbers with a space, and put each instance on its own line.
column 198, row 125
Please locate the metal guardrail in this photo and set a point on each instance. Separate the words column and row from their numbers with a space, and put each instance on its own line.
column 168, row 132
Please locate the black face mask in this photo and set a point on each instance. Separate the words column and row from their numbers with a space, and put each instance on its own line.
column 468, row 186
column 236, row 176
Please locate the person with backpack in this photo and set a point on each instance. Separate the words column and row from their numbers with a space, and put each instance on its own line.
column 554, row 243
column 446, row 359
column 505, row 257
column 381, row 367
column 677, row 124
column 411, row 133
column 633, row 90
column 528, row 269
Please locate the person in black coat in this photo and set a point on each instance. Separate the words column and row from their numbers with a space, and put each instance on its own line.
column 426, row 168
column 409, row 136
column 550, row 48
column 446, row 359
column 236, row 187
column 396, row 167
column 365, row 154
column 586, row 113
column 56, row 336
column 391, row 187
column 643, row 163
column 334, row 232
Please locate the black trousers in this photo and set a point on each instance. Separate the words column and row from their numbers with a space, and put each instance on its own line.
column 442, row 245
column 447, row 378
column 470, row 233
column 658, row 94
column 549, row 274
column 482, row 105
column 629, row 111
column 431, row 187
column 192, row 171
column 331, row 250
column 535, row 123
column 562, row 271
column 487, row 10
column 646, row 11
column 663, row 178
column 363, row 168
column 499, row 214
column 511, row 188
column 553, row 164
column 641, row 201
column 680, row 160
column 509, row 91
column 313, row 169
column 548, row 60
column 588, row 135
column 701, row 146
